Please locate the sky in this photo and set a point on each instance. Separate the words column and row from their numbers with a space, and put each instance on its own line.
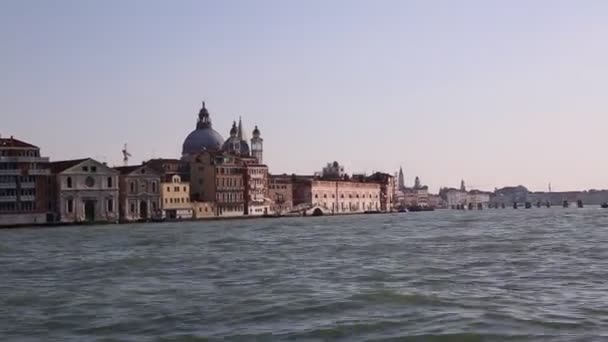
column 493, row 92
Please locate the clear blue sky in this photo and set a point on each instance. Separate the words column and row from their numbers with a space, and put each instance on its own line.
column 496, row 92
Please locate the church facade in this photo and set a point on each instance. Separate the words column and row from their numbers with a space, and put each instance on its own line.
column 228, row 172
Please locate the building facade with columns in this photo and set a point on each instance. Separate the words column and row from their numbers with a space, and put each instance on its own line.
column 139, row 193
column 84, row 190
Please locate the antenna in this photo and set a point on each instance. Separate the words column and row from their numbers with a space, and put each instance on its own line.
column 125, row 156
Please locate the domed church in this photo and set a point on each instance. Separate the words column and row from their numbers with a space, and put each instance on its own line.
column 205, row 138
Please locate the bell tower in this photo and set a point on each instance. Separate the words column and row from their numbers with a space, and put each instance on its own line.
column 257, row 145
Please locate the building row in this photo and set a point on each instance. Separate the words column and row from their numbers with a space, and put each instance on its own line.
column 213, row 178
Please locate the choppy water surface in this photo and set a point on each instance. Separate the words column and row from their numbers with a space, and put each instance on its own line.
column 525, row 275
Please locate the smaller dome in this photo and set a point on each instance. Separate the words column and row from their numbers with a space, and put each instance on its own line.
column 256, row 131
column 237, row 146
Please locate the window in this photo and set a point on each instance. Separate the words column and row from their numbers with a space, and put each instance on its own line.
column 110, row 205
column 185, row 189
column 85, row 168
column 168, row 189
column 93, row 168
column 109, row 182
column 132, row 207
column 154, row 187
column 176, row 189
column 70, row 205
column 69, row 181
column 132, row 187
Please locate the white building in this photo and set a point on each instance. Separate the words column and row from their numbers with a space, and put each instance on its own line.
column 474, row 199
column 84, row 190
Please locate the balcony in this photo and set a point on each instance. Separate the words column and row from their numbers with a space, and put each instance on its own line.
column 8, row 199
column 31, row 172
column 39, row 172
column 29, row 185
column 8, row 185
column 14, row 159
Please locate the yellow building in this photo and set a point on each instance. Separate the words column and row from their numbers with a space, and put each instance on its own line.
column 175, row 198
column 202, row 210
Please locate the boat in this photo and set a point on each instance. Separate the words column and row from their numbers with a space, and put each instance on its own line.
column 417, row 208
column 605, row 205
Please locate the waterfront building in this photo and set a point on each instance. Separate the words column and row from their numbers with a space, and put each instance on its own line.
column 455, row 198
column 175, row 197
column 84, row 190
column 478, row 199
column 280, row 190
column 435, row 201
column 218, row 176
column 417, row 196
column 257, row 202
column 139, row 193
column 24, row 177
column 387, row 190
column 202, row 210
column 462, row 199
column 336, row 196
column 509, row 195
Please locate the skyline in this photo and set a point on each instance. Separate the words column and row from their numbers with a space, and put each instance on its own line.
column 497, row 95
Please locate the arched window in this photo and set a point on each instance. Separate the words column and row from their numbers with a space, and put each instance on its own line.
column 132, row 188
column 69, row 181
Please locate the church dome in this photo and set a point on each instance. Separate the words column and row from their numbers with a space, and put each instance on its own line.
column 204, row 137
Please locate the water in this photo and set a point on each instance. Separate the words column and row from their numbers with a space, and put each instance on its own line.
column 495, row 275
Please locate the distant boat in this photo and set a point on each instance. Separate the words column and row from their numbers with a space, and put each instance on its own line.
column 416, row 208
column 605, row 205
